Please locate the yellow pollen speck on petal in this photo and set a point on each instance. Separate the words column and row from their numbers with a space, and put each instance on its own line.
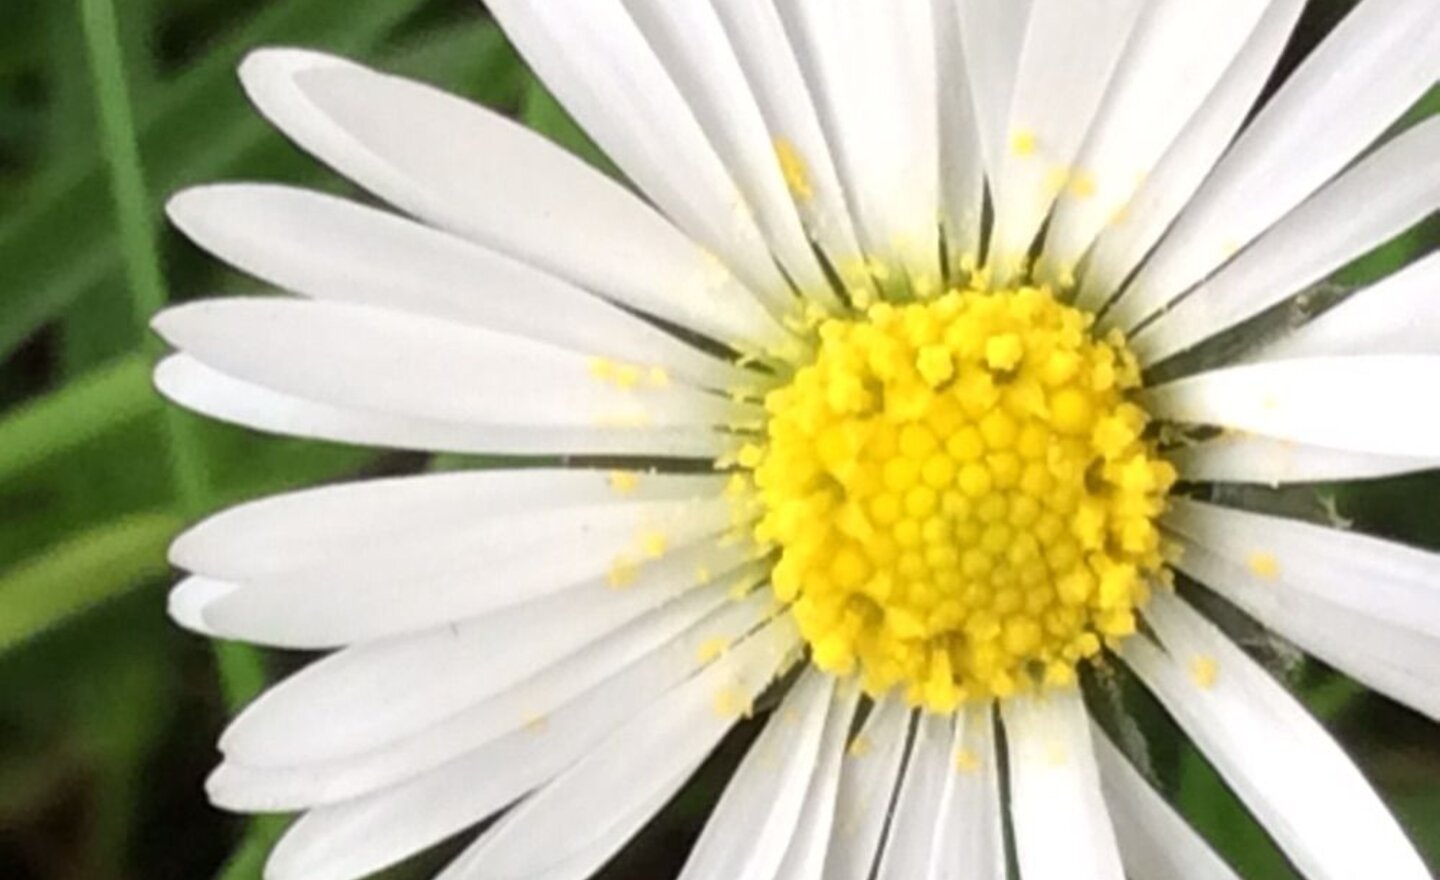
column 1082, row 184
column 1204, row 671
column 537, row 723
column 658, row 377
column 654, row 543
column 961, row 493
column 860, row 746
column 1022, row 142
column 1263, row 565
column 622, row 573
column 624, row 482
column 732, row 702
column 712, row 648
column 966, row 761
column 794, row 170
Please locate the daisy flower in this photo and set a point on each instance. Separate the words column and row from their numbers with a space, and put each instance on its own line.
column 906, row 393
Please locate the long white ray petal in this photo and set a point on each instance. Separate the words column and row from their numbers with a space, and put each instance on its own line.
column 596, row 61
column 1369, row 576
column 657, row 749
column 1399, row 185
column 435, row 156
column 333, row 249
column 747, row 835
column 870, row 65
column 1178, row 53
column 962, row 158
column 868, row 783
column 805, row 855
column 1363, row 404
column 971, row 836
column 1062, row 826
column 1288, row 771
column 1400, row 315
column 1155, row 842
column 691, row 42
column 355, row 838
column 1372, row 67
column 909, row 848
column 992, row 33
column 1247, row 458
column 1071, row 51
column 289, row 531
column 369, row 358
column 407, row 586
column 1396, row 660
column 1144, row 219
column 603, row 680
column 375, row 693
column 757, row 35
column 195, row 386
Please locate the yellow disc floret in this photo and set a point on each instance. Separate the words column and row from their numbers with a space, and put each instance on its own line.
column 962, row 495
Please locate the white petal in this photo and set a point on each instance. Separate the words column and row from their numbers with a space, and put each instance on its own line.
column 610, row 679
column 962, row 159
column 881, row 117
column 1369, row 576
column 1372, row 67
column 747, row 834
column 1397, row 660
column 287, row 532
column 1144, row 219
column 757, row 35
column 333, row 249
column 195, row 386
column 947, row 819
column 805, row 857
column 1363, row 404
column 1281, row 763
column 1246, row 458
column 992, row 33
column 971, row 836
column 1400, row 315
column 1178, row 53
column 868, row 783
column 1155, row 842
column 1399, row 185
column 469, row 170
column 404, row 586
column 596, row 61
column 376, row 693
column 909, row 850
column 653, row 752
column 188, row 599
column 1071, row 51
column 1062, row 826
column 354, row 838
column 691, row 42
column 367, row 358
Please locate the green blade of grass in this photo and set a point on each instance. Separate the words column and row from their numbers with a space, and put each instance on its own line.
column 56, row 246
column 87, row 570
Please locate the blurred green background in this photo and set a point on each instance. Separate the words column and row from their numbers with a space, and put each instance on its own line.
column 107, row 712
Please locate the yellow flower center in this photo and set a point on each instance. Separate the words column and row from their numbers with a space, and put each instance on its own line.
column 962, row 495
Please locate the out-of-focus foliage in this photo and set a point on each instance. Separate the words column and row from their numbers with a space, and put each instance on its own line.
column 107, row 713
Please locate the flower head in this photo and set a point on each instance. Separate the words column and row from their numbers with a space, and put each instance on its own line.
column 897, row 396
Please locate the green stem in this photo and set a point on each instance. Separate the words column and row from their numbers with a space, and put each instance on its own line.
column 241, row 669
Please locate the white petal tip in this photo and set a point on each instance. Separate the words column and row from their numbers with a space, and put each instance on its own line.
column 191, row 596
